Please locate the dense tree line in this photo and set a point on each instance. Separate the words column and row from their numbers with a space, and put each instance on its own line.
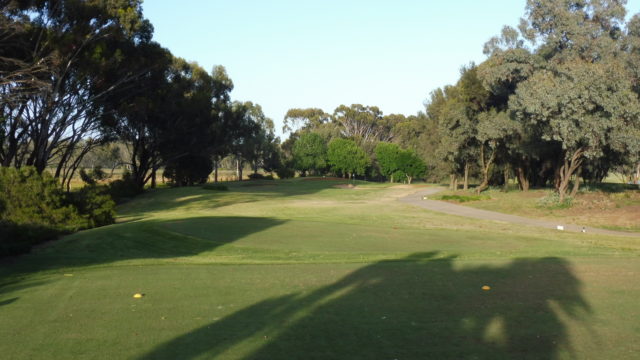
column 347, row 143
column 555, row 102
column 81, row 76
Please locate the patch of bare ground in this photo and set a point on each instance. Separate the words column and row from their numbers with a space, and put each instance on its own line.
column 346, row 186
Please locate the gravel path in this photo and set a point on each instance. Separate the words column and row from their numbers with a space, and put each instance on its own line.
column 459, row 210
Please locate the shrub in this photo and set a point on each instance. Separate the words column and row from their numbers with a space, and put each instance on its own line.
column 260, row 177
column 189, row 170
column 552, row 201
column 216, row 187
column 33, row 210
column 95, row 204
column 123, row 189
column 285, row 173
column 463, row 198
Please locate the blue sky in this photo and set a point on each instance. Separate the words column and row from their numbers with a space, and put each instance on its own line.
column 286, row 54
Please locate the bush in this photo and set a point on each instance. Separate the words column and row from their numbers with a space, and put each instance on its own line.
column 285, row 173
column 217, row 187
column 123, row 189
column 34, row 210
column 189, row 170
column 552, row 201
column 260, row 177
column 92, row 177
column 96, row 205
column 463, row 198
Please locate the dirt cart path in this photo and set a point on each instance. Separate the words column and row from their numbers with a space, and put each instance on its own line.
column 459, row 210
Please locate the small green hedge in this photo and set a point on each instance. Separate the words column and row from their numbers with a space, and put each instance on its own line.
column 463, row 198
column 216, row 187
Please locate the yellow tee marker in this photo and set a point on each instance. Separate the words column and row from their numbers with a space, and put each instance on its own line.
column 486, row 288
column 138, row 296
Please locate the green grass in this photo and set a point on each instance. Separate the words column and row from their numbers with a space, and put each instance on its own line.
column 304, row 270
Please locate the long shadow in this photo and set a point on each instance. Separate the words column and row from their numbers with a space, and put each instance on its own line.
column 145, row 239
column 419, row 308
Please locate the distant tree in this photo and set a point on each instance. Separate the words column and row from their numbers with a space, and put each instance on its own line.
column 346, row 157
column 387, row 156
column 304, row 119
column 309, row 153
column 410, row 164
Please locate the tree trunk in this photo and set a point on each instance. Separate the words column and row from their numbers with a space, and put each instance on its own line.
column 215, row 171
column 453, row 182
column 523, row 180
column 568, row 168
column 507, row 177
column 239, row 168
column 153, row 177
column 409, row 178
column 576, row 182
column 467, row 166
column 486, row 168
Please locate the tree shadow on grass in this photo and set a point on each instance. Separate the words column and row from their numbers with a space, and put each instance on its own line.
column 418, row 308
column 146, row 239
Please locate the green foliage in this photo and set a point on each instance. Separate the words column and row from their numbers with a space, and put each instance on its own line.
column 216, row 187
column 387, row 157
column 553, row 201
column 124, row 189
column 258, row 176
column 346, row 157
column 95, row 204
column 410, row 165
column 33, row 210
column 285, row 172
column 463, row 198
column 92, row 177
column 189, row 170
column 310, row 152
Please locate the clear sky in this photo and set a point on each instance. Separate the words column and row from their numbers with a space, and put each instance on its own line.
column 286, row 54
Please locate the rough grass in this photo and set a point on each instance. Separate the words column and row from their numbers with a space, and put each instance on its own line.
column 304, row 270
column 609, row 206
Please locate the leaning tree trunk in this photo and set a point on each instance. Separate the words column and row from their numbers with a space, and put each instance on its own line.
column 569, row 166
column 486, row 165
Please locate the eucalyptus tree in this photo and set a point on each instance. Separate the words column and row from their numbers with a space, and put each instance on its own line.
column 304, row 119
column 581, row 98
column 76, row 54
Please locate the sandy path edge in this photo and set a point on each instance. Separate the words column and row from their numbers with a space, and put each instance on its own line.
column 416, row 199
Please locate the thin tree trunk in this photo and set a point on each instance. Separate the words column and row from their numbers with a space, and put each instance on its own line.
column 486, row 168
column 215, row 168
column 153, row 177
column 507, row 177
column 466, row 175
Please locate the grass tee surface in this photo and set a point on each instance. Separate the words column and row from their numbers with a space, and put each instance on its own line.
column 304, row 270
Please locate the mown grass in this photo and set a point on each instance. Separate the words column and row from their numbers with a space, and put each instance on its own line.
column 304, row 270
